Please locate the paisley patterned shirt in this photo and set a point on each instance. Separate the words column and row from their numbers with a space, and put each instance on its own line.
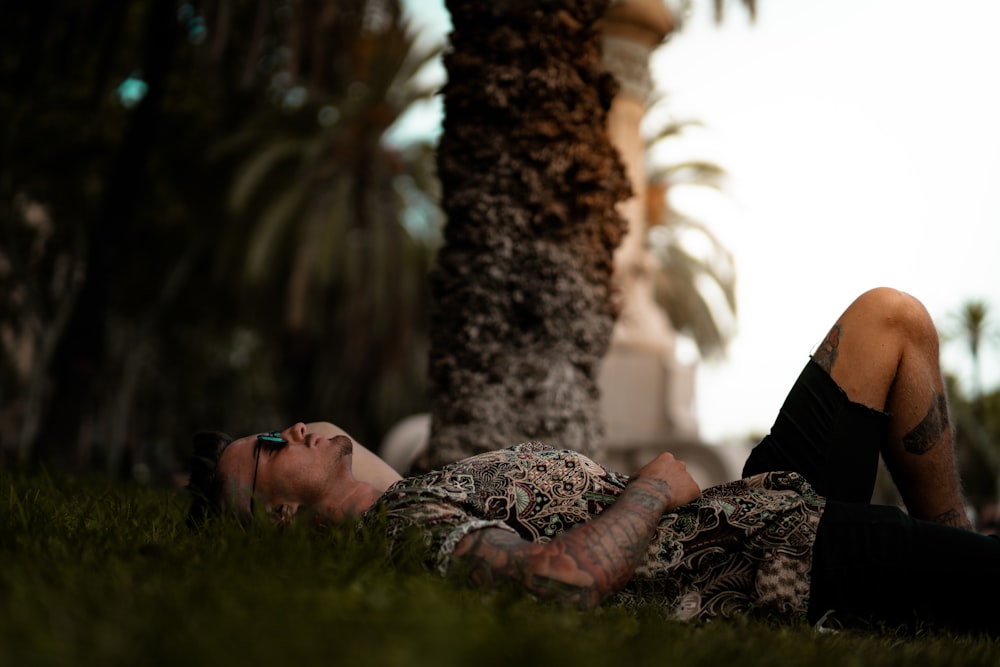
column 744, row 547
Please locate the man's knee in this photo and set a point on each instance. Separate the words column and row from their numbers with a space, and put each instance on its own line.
column 897, row 312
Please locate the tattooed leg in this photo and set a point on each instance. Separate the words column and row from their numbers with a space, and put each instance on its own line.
column 883, row 352
column 826, row 354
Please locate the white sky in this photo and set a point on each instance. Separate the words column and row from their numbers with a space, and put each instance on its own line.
column 862, row 139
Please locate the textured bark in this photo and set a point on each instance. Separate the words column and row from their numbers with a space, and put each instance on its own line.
column 524, row 306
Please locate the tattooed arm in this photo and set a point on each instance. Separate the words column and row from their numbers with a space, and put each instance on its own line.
column 589, row 562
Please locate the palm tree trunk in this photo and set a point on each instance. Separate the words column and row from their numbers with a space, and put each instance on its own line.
column 523, row 308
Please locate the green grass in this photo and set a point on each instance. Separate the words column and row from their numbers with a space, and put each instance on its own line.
column 99, row 574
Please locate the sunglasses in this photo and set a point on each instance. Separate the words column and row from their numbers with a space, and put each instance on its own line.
column 272, row 442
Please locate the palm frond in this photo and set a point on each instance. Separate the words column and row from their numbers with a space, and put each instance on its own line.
column 683, row 281
column 678, row 290
column 328, row 234
column 252, row 173
column 273, row 222
column 672, row 129
column 719, row 6
column 414, row 63
column 693, row 172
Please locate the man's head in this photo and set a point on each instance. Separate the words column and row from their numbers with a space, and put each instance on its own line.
column 283, row 472
column 206, row 484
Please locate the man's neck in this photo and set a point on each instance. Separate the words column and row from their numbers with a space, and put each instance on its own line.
column 367, row 467
column 350, row 502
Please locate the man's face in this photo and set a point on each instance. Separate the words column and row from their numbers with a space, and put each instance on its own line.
column 298, row 474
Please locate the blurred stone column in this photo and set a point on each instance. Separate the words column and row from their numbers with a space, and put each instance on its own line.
column 647, row 396
column 631, row 30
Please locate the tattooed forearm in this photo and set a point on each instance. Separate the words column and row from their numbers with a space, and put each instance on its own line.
column 649, row 495
column 928, row 432
column 826, row 354
column 581, row 566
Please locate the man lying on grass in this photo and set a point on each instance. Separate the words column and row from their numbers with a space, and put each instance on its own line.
column 795, row 539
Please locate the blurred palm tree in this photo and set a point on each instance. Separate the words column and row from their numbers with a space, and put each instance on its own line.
column 972, row 417
column 688, row 282
column 335, row 225
column 125, row 122
column 973, row 329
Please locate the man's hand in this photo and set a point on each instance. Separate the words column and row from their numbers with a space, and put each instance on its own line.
column 589, row 562
column 681, row 487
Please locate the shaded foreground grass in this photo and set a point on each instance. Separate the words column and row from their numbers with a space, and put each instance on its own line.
column 98, row 574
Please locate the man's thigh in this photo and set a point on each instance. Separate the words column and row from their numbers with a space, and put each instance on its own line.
column 821, row 434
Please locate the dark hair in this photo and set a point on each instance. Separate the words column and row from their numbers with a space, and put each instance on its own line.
column 206, row 485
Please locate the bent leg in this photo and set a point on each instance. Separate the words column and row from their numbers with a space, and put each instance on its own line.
column 886, row 396
column 883, row 352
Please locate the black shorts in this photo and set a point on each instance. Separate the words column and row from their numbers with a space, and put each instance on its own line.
column 874, row 563
column 820, row 433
